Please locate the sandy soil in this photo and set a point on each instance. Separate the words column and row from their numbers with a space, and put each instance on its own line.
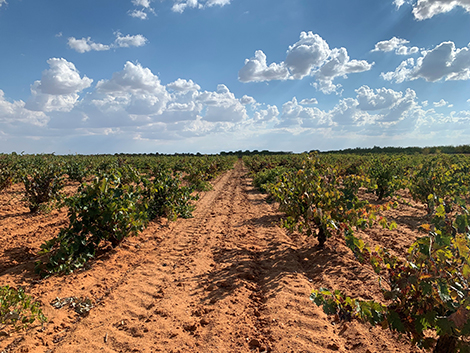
column 227, row 280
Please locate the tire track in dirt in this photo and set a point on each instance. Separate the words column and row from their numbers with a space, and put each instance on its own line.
column 157, row 299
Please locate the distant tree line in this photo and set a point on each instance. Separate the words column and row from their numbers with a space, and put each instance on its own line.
column 464, row 149
column 241, row 153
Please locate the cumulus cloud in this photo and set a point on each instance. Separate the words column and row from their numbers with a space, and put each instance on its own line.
column 310, row 56
column 257, row 70
column 140, row 14
column 183, row 85
column 346, row 114
column 425, row 9
column 135, row 100
column 222, row 105
column 389, row 45
column 247, row 100
column 142, row 10
column 143, row 3
column 377, row 112
column 267, row 115
column 310, row 52
column 293, row 114
column 14, row 116
column 181, row 5
column 134, row 105
column 338, row 65
column 84, row 45
column 3, row 2
column 381, row 98
column 404, row 50
column 445, row 61
column 397, row 44
column 135, row 89
column 441, row 103
column 399, row 3
column 129, row 40
column 310, row 101
column 58, row 88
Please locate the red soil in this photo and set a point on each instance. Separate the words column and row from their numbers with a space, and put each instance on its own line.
column 227, row 280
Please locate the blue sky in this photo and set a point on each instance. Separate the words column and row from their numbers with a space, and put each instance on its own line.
column 212, row 75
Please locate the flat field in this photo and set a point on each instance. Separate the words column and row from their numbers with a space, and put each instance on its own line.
column 227, row 280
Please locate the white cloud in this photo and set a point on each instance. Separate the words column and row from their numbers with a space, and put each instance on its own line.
column 310, row 56
column 58, row 88
column 181, row 5
column 425, row 103
column 338, row 65
column 183, row 85
column 378, row 112
column 210, row 3
column 402, row 109
column 268, row 115
column 401, row 73
column 247, row 100
column 62, row 78
column 136, row 101
column 441, row 103
column 86, row 44
column 222, row 105
column 3, row 2
column 14, row 117
column 346, row 114
column 135, row 89
column 143, row 3
column 310, row 101
column 444, row 61
column 134, row 106
column 397, row 44
column 129, row 41
column 138, row 14
column 309, row 53
column 404, row 50
column 327, row 87
column 382, row 98
column 425, row 9
column 399, row 3
column 256, row 70
column 293, row 114
column 391, row 44
column 143, row 9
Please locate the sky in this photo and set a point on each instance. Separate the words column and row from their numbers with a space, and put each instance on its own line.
column 174, row 76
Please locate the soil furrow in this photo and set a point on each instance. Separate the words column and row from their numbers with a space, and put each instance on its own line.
column 227, row 280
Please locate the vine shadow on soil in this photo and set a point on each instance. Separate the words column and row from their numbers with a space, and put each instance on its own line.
column 265, row 270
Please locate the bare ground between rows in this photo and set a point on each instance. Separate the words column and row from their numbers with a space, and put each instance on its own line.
column 227, row 280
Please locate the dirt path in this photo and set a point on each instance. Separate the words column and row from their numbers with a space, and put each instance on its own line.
column 227, row 280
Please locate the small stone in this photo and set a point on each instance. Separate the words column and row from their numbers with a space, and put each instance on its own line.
column 190, row 327
column 333, row 346
column 254, row 343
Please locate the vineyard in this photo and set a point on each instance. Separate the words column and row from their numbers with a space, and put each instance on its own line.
column 265, row 253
